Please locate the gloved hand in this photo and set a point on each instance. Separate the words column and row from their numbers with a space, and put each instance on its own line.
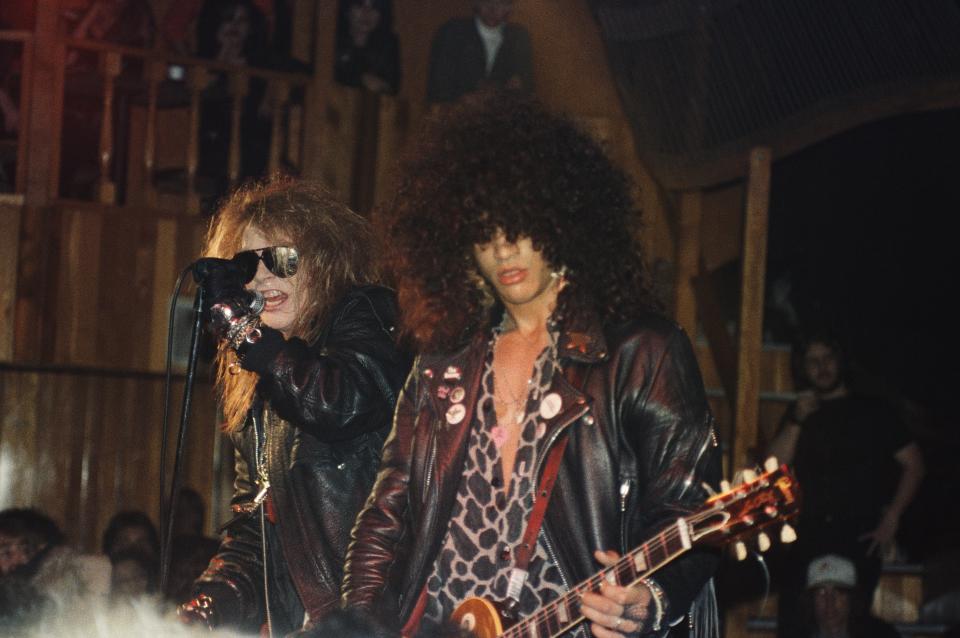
column 229, row 301
column 200, row 611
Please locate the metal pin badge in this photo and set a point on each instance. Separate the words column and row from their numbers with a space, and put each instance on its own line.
column 455, row 413
column 428, row 373
column 550, row 405
column 452, row 373
column 443, row 391
column 457, row 394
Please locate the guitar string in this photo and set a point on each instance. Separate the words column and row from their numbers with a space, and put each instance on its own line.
column 668, row 534
column 544, row 613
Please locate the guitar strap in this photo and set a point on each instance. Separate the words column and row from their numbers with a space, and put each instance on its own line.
column 523, row 554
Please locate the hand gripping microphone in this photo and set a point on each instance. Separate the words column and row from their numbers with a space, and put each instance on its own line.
column 235, row 310
column 223, row 281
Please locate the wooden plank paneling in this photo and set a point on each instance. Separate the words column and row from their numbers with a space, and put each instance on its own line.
column 94, row 283
column 11, row 208
column 82, row 445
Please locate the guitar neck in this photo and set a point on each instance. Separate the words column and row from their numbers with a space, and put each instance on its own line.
column 563, row 613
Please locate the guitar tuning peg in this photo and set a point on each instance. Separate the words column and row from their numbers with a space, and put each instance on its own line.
column 709, row 490
column 741, row 550
column 725, row 485
column 763, row 542
column 749, row 476
column 787, row 534
column 771, row 464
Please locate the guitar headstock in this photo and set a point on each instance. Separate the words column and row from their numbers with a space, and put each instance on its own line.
column 742, row 512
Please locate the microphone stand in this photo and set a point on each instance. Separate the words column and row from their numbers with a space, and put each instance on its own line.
column 165, row 557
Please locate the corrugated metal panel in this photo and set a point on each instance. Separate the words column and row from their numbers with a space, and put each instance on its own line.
column 702, row 80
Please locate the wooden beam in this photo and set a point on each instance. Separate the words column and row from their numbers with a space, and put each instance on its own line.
column 688, row 260
column 11, row 207
column 43, row 121
column 754, row 264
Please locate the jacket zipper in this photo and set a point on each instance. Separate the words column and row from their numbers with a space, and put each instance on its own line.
column 264, row 483
column 431, row 459
column 624, row 498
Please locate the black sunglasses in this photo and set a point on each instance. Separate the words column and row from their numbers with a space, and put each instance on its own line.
column 280, row 260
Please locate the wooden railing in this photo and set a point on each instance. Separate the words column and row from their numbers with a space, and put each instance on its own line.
column 18, row 146
column 140, row 89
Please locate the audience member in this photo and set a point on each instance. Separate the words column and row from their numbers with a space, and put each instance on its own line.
column 848, row 451
column 131, row 530
column 832, row 608
column 190, row 513
column 368, row 51
column 486, row 51
column 134, row 574
column 189, row 557
column 33, row 554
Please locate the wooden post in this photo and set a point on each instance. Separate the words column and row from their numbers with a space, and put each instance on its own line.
column 316, row 124
column 197, row 79
column 278, row 92
column 688, row 260
column 110, row 65
column 754, row 262
column 239, row 84
column 156, row 71
column 44, row 120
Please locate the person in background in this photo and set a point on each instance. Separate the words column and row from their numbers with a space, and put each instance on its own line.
column 857, row 464
column 34, row 555
column 368, row 50
column 307, row 388
column 131, row 530
column 134, row 575
column 831, row 603
column 483, row 52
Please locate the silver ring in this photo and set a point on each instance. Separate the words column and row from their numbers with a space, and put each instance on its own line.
column 616, row 625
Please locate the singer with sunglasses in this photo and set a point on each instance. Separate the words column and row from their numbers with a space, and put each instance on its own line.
column 308, row 373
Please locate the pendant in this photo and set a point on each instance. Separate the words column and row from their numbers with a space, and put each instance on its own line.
column 498, row 435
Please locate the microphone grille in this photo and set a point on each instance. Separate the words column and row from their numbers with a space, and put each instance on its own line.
column 257, row 302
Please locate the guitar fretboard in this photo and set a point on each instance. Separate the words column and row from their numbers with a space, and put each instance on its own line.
column 563, row 613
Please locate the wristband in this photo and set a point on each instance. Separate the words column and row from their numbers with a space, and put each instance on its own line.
column 658, row 601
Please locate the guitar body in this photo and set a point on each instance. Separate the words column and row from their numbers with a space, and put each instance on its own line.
column 481, row 617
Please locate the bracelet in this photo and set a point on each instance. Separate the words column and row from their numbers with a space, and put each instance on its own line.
column 658, row 597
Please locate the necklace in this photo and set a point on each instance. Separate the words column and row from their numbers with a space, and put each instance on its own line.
column 511, row 402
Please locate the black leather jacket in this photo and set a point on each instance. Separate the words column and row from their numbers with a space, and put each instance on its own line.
column 641, row 446
column 325, row 408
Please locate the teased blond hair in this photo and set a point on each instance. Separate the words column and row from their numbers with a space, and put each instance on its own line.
column 335, row 247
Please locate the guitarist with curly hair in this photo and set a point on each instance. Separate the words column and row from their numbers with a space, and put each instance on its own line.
column 545, row 377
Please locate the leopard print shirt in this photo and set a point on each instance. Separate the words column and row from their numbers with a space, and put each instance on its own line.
column 488, row 521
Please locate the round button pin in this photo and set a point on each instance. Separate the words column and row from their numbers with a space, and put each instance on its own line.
column 455, row 413
column 457, row 394
column 550, row 405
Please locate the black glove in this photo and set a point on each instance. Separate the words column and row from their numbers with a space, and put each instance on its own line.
column 200, row 611
column 229, row 302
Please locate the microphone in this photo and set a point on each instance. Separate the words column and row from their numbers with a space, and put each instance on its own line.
column 223, row 280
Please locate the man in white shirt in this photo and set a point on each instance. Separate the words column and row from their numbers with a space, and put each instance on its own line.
column 483, row 52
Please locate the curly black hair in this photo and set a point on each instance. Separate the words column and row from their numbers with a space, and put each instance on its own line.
column 503, row 162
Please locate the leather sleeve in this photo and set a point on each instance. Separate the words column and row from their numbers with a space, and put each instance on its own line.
column 341, row 388
column 381, row 525
column 672, row 428
column 234, row 577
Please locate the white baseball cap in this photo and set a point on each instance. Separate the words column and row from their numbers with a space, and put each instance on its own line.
column 831, row 570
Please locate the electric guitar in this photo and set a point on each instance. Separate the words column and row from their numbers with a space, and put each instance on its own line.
column 734, row 516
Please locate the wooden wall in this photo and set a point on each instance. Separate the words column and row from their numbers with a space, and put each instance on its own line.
column 81, row 347
column 84, row 444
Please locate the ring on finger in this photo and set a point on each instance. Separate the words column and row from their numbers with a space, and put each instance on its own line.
column 616, row 625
